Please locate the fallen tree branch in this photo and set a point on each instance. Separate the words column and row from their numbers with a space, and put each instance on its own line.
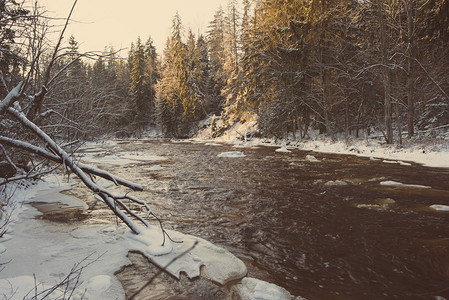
column 61, row 155
column 87, row 169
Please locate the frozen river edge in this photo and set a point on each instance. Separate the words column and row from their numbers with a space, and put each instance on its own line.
column 39, row 253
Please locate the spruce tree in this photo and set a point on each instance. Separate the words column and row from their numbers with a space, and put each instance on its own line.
column 144, row 73
column 172, row 89
column 140, row 103
column 215, row 41
column 152, row 75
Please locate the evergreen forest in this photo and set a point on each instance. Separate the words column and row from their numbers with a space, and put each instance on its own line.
column 345, row 68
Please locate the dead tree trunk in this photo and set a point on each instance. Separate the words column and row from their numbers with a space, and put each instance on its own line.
column 410, row 48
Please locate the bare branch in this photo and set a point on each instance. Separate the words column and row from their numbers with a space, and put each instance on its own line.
column 87, row 169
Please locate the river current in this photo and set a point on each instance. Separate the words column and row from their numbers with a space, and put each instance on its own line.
column 334, row 227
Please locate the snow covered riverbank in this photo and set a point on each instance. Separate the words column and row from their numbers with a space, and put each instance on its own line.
column 427, row 151
column 67, row 260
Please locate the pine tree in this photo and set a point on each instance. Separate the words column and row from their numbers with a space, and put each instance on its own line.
column 140, row 103
column 144, row 73
column 152, row 74
column 172, row 89
column 195, row 108
column 203, row 66
column 166, row 105
column 11, row 58
column 215, row 41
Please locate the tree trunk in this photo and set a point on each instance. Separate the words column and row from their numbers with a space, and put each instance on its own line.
column 386, row 76
column 410, row 99
column 398, row 121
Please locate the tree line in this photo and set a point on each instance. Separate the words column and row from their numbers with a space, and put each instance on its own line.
column 345, row 68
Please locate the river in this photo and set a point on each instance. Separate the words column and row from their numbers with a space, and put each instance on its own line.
column 338, row 227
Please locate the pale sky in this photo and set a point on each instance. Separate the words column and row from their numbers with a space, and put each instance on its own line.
column 100, row 23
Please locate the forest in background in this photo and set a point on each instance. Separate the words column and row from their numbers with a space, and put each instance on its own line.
column 345, row 68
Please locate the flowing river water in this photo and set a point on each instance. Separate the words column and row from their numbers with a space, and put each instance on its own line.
column 341, row 227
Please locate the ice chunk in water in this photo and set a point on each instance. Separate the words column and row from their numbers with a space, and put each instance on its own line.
column 440, row 207
column 252, row 289
column 220, row 265
column 231, row 154
column 311, row 158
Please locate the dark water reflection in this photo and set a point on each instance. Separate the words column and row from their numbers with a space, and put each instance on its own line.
column 296, row 225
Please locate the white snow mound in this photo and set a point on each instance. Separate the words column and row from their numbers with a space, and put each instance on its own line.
column 283, row 150
column 255, row 289
column 221, row 266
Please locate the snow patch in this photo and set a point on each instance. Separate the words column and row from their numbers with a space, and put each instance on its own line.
column 152, row 240
column 399, row 184
column 98, row 284
column 396, row 162
column 231, row 154
column 18, row 288
column 283, row 150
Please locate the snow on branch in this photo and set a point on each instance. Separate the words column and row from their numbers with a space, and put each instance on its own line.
column 12, row 96
column 84, row 173
column 87, row 169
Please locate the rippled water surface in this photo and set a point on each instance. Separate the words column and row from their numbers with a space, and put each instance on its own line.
column 325, row 229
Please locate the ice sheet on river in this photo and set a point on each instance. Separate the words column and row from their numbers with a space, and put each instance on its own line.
column 121, row 158
column 189, row 256
column 231, row 154
column 33, row 246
